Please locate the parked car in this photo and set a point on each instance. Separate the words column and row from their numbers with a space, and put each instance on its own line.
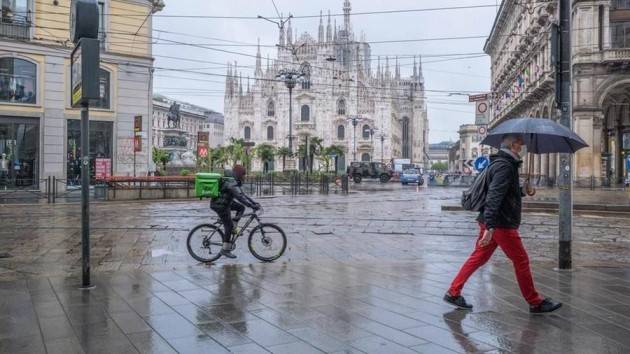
column 411, row 175
column 360, row 170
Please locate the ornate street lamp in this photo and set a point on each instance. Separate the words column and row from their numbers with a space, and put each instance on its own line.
column 290, row 78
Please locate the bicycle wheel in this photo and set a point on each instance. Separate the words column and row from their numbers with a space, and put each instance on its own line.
column 204, row 243
column 267, row 242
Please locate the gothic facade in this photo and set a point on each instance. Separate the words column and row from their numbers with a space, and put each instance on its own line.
column 342, row 82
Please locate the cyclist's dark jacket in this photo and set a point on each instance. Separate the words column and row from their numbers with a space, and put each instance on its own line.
column 503, row 200
column 230, row 189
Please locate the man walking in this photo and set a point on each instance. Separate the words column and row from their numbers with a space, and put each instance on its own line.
column 499, row 220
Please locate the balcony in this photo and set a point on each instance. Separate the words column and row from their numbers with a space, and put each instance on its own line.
column 616, row 55
column 19, row 30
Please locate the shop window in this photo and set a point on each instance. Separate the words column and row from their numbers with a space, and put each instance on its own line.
column 19, row 153
column 18, row 81
column 101, row 140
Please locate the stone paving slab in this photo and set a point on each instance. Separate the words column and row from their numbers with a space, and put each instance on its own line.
column 316, row 307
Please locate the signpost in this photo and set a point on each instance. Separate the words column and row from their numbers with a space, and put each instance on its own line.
column 481, row 163
column 137, row 139
column 84, row 83
column 202, row 144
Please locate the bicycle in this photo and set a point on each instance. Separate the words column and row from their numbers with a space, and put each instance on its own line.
column 205, row 241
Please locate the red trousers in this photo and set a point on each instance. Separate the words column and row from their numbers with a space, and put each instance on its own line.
column 510, row 242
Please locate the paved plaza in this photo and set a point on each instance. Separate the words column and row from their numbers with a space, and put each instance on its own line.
column 362, row 273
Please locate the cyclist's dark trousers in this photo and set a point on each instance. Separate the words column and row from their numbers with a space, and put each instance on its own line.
column 226, row 218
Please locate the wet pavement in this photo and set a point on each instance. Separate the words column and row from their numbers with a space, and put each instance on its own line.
column 363, row 273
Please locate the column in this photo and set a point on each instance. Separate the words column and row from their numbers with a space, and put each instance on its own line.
column 588, row 160
column 544, row 170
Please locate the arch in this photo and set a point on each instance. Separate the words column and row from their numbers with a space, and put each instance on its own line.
column 270, row 133
column 271, row 109
column 365, row 157
column 607, row 88
column 305, row 113
column 365, row 130
column 247, row 133
column 341, row 106
column 19, row 81
column 341, row 132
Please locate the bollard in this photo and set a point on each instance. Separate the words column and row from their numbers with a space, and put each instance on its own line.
column 54, row 189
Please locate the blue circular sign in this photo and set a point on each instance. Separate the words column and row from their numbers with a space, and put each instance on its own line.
column 481, row 163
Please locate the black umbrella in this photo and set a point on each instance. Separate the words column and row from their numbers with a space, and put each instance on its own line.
column 541, row 136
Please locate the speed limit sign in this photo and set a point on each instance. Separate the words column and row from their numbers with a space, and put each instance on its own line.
column 482, row 130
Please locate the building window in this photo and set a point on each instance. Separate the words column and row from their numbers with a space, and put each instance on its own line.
column 306, row 84
column 270, row 133
column 18, row 80
column 103, row 86
column 620, row 32
column 15, row 11
column 405, row 138
column 271, row 109
column 341, row 132
column 247, row 133
column 341, row 107
column 101, row 23
column 365, row 157
column 621, row 4
column 305, row 113
column 366, row 131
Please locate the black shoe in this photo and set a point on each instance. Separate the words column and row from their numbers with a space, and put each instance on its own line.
column 457, row 301
column 228, row 254
column 547, row 305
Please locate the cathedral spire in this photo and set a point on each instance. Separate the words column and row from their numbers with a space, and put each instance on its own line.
column 420, row 75
column 329, row 30
column 415, row 70
column 240, row 84
column 289, row 34
column 268, row 67
column 378, row 69
column 258, row 61
column 321, row 27
column 346, row 17
column 397, row 69
column 335, row 37
column 387, row 72
column 248, row 84
column 281, row 39
column 228, row 80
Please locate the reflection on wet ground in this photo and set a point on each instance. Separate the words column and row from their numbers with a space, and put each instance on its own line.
column 364, row 273
column 333, row 307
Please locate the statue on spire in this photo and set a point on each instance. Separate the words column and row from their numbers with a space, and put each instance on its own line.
column 258, row 62
column 321, row 27
column 329, row 30
column 289, row 34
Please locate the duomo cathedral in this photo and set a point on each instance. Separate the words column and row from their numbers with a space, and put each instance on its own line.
column 342, row 84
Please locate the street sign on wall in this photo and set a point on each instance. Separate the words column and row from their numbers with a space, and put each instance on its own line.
column 482, row 112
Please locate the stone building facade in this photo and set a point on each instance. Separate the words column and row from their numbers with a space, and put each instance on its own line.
column 523, row 81
column 39, row 130
column 344, row 82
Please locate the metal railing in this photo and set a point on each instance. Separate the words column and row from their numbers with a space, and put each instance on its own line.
column 16, row 28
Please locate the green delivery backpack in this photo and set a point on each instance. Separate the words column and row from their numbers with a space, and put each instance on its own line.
column 208, row 185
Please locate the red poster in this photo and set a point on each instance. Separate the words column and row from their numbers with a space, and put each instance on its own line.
column 137, row 143
column 202, row 150
column 103, row 168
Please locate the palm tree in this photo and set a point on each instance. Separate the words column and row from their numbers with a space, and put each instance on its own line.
column 265, row 153
column 329, row 151
column 316, row 149
column 283, row 152
column 235, row 152
column 216, row 157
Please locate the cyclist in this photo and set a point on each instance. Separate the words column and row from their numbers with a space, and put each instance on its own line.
column 231, row 198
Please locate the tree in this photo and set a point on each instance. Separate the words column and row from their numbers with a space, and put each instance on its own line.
column 283, row 152
column 326, row 155
column 216, row 157
column 161, row 157
column 235, row 152
column 265, row 153
column 439, row 166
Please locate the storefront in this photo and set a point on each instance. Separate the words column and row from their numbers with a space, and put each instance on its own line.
column 101, row 142
column 19, row 153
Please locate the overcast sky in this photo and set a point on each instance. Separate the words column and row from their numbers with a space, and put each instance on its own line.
column 445, row 112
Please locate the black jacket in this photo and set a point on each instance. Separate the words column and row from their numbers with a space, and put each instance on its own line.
column 503, row 200
column 230, row 190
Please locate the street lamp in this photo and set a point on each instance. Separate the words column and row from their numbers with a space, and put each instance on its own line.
column 371, row 132
column 290, row 78
column 355, row 121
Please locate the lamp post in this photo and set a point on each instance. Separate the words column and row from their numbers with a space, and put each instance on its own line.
column 290, row 78
column 382, row 141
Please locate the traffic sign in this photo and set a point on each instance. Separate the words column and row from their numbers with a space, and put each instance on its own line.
column 482, row 130
column 481, row 163
column 468, row 164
